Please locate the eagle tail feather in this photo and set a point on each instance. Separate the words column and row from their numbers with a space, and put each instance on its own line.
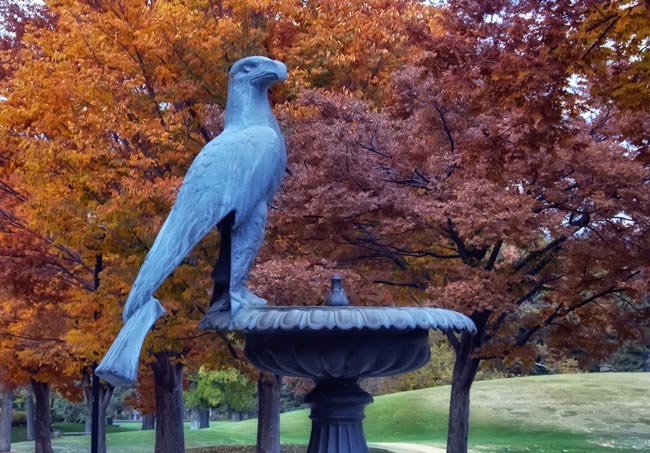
column 120, row 364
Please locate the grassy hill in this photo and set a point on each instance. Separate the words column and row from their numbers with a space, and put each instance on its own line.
column 608, row 412
column 563, row 413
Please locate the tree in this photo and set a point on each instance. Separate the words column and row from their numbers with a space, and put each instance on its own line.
column 228, row 388
column 479, row 187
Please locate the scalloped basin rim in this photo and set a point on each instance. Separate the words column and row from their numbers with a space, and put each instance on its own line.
column 318, row 318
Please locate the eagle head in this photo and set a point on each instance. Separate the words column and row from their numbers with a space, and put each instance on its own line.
column 259, row 72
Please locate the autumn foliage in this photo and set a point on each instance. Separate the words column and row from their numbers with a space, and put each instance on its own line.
column 488, row 157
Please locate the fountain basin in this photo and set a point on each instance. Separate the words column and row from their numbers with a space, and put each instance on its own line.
column 344, row 342
column 338, row 354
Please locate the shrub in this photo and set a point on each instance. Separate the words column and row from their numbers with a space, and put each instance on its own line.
column 18, row 418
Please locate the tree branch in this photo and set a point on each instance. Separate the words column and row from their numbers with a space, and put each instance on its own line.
column 40, row 339
column 602, row 36
column 11, row 191
column 202, row 129
column 229, row 345
column 445, row 127
column 629, row 303
column 536, row 289
column 453, row 340
column 191, row 337
column 373, row 149
column 493, row 256
column 403, row 284
column 535, row 254
column 393, row 252
column 460, row 245
column 559, row 313
column 395, row 259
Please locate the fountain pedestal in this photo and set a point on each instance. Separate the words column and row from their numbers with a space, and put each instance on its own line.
column 337, row 413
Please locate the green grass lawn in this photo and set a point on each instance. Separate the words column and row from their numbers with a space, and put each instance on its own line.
column 19, row 433
column 585, row 413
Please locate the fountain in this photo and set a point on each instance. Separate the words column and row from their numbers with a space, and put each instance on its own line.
column 336, row 345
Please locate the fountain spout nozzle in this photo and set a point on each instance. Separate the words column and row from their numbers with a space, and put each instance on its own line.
column 337, row 297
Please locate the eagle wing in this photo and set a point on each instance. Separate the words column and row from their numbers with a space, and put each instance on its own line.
column 232, row 173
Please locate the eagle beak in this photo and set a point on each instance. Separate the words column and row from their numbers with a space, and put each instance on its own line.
column 272, row 71
column 280, row 70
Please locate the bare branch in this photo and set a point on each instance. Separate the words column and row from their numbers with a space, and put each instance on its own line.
column 399, row 262
column 74, row 278
column 391, row 251
column 629, row 303
column 202, row 129
column 191, row 337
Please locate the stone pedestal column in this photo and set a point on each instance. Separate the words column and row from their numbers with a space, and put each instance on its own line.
column 337, row 412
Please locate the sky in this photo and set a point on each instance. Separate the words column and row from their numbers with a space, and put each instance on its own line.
column 25, row 5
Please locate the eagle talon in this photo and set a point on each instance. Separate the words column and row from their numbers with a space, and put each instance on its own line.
column 243, row 297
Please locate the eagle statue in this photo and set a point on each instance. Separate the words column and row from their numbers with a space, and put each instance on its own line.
column 229, row 185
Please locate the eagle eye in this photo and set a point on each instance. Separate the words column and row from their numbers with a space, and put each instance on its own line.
column 248, row 68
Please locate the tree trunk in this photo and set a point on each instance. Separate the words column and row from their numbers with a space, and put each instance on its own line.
column 204, row 418
column 42, row 437
column 105, row 395
column 31, row 416
column 148, row 422
column 86, row 385
column 268, row 422
column 5, row 419
column 194, row 418
column 94, row 432
column 465, row 368
column 168, row 379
